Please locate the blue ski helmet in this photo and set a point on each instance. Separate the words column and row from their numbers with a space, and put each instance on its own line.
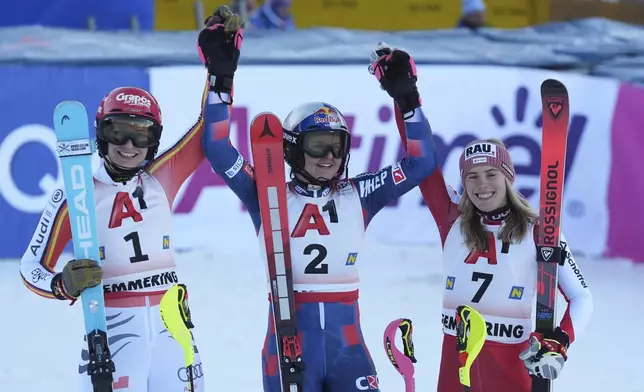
column 314, row 117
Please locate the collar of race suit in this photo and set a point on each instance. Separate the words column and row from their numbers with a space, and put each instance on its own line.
column 496, row 216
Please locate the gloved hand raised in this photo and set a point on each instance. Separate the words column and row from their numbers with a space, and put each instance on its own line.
column 396, row 72
column 219, row 45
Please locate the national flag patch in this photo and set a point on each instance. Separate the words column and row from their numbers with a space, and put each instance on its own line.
column 399, row 175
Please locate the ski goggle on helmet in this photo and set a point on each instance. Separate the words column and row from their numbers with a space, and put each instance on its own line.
column 318, row 129
column 119, row 128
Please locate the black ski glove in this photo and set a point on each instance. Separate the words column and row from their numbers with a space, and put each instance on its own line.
column 219, row 46
column 396, row 72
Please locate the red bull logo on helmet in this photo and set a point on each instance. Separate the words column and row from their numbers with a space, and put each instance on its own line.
column 326, row 115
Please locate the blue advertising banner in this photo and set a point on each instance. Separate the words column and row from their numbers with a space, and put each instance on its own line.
column 29, row 167
column 76, row 14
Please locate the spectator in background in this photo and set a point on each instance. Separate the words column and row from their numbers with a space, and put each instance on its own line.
column 472, row 14
column 273, row 15
column 243, row 8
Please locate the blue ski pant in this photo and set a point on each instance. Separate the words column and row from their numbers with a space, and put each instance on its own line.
column 333, row 349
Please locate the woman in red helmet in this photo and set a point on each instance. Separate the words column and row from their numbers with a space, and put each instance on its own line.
column 134, row 193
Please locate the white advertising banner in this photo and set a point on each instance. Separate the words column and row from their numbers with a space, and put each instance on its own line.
column 461, row 102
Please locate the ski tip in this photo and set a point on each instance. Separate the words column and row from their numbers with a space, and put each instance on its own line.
column 266, row 119
column 264, row 115
column 553, row 87
column 71, row 121
column 67, row 105
column 68, row 108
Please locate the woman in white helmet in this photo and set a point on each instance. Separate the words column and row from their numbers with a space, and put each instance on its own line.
column 328, row 215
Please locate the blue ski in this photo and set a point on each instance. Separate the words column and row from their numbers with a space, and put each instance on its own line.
column 75, row 150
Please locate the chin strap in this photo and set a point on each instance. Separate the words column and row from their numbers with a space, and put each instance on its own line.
column 120, row 173
column 311, row 181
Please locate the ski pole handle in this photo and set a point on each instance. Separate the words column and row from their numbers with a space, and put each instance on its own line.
column 402, row 361
column 471, row 333
column 176, row 318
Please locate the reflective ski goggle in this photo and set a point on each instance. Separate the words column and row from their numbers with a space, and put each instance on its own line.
column 118, row 129
column 318, row 144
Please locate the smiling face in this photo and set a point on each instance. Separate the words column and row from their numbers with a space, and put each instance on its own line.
column 486, row 187
column 327, row 167
column 127, row 155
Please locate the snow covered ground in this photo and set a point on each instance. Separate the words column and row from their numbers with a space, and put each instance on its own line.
column 41, row 339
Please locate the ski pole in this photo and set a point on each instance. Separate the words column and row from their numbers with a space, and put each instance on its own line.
column 176, row 318
column 470, row 337
column 402, row 361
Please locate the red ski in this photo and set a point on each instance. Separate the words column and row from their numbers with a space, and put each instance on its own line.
column 268, row 158
column 556, row 113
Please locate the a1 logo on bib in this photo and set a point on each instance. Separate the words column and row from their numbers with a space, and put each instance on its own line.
column 480, row 151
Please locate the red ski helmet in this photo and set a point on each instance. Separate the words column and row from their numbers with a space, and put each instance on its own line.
column 133, row 104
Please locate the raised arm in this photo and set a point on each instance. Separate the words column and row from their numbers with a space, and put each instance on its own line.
column 219, row 48
column 225, row 159
column 378, row 189
column 173, row 167
column 441, row 200
column 397, row 74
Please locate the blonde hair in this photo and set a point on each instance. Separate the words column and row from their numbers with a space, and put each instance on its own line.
column 514, row 227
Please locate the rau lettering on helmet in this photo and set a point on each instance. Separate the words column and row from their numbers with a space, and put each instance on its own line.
column 480, row 150
column 133, row 99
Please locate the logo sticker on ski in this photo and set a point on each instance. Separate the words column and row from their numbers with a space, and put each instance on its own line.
column 267, row 130
column 555, row 107
column 546, row 253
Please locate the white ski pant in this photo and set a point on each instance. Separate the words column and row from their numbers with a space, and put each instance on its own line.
column 146, row 357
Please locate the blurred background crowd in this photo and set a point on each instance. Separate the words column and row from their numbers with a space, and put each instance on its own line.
column 294, row 14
